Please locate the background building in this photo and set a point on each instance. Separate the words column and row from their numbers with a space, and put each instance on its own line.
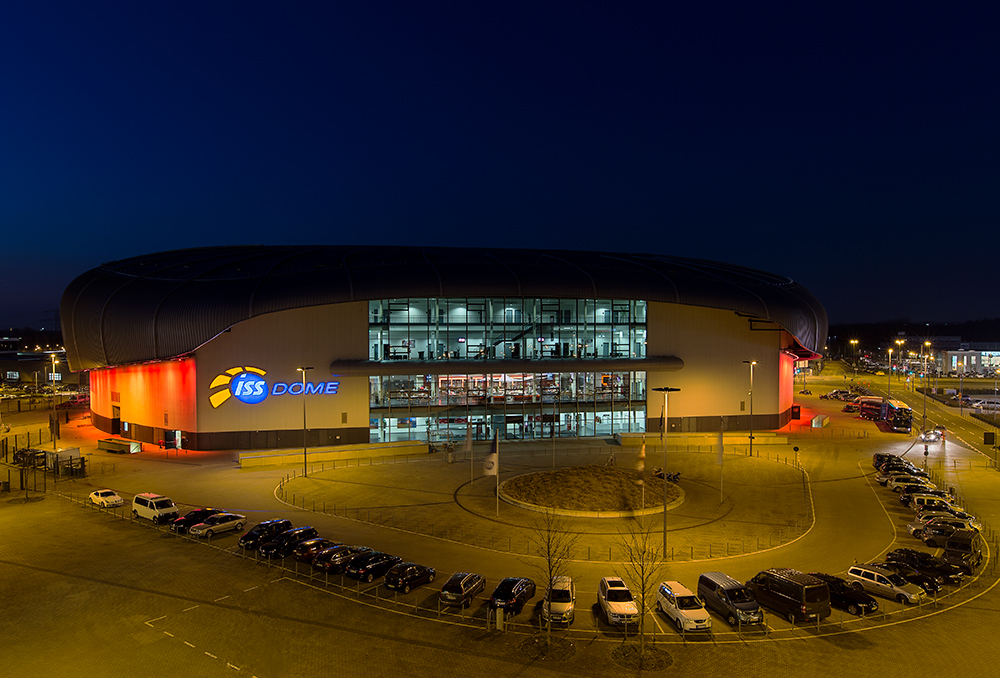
column 205, row 346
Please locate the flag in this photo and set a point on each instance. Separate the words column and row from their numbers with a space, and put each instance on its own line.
column 722, row 427
column 640, row 465
column 468, row 437
column 491, row 465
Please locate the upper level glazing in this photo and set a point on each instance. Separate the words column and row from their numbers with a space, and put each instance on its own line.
column 505, row 328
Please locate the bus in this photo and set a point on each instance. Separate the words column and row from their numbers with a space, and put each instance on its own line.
column 899, row 416
column 871, row 407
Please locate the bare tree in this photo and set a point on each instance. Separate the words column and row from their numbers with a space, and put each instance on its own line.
column 553, row 544
column 643, row 566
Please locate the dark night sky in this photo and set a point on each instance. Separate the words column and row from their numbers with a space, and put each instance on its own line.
column 854, row 150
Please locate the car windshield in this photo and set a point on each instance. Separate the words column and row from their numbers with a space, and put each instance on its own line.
column 740, row 595
column 560, row 596
column 619, row 596
column 688, row 603
column 163, row 504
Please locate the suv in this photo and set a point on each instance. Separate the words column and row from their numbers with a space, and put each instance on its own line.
column 885, row 583
column 511, row 594
column 461, row 588
column 617, row 602
column 794, row 595
column 677, row 602
column 154, row 507
column 925, row 562
column 559, row 602
column 263, row 532
column 964, row 548
column 730, row 598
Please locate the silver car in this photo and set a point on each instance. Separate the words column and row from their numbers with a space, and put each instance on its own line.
column 219, row 522
column 886, row 583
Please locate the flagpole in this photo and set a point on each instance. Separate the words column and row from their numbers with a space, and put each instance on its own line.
column 663, row 428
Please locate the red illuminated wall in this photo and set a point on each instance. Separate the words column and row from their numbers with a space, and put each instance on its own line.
column 156, row 395
column 786, row 381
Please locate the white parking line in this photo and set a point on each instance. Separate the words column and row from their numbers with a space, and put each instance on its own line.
column 235, row 668
column 167, row 633
column 188, row 609
column 211, row 655
column 150, row 622
column 188, row 644
column 250, row 589
column 218, row 599
column 656, row 621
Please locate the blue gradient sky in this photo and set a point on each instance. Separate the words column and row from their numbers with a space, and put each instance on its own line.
column 834, row 145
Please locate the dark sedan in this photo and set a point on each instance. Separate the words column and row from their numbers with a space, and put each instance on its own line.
column 281, row 545
column 191, row 518
column 263, row 532
column 927, row 582
column 843, row 596
column 371, row 565
column 930, row 564
column 512, row 593
column 337, row 558
column 405, row 576
column 461, row 588
column 305, row 551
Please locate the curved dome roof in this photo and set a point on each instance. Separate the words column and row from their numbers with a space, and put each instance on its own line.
column 159, row 306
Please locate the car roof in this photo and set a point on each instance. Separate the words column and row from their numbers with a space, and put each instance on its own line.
column 677, row 588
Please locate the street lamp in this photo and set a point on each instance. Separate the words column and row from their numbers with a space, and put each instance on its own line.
column 55, row 424
column 305, row 465
column 854, row 343
column 664, row 390
column 888, row 392
column 927, row 350
column 899, row 349
column 751, row 363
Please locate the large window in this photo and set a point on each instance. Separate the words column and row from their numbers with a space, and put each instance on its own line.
column 506, row 329
column 517, row 405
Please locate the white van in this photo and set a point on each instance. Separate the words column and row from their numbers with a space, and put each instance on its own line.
column 154, row 507
column 919, row 502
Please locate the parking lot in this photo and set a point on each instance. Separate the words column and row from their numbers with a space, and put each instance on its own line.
column 90, row 589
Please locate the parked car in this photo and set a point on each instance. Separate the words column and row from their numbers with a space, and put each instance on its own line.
column 153, row 507
column 106, row 499
column 951, row 512
column 843, row 596
column 907, row 493
column 895, row 483
column 219, row 522
column 794, row 595
column 931, row 436
column 512, row 593
column 305, row 551
column 925, row 562
column 917, row 527
column 337, row 558
column 729, row 598
column 281, row 545
column 683, row 607
column 936, row 535
column 964, row 548
column 405, row 576
column 367, row 567
column 928, row 582
column 461, row 588
column 263, row 532
column 181, row 525
column 617, row 602
column 559, row 603
column 883, row 582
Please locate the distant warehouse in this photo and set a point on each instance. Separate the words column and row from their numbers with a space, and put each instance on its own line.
column 223, row 347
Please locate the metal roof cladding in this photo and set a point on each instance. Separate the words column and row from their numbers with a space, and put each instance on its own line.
column 160, row 306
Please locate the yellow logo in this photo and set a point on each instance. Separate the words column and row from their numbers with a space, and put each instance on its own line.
column 246, row 384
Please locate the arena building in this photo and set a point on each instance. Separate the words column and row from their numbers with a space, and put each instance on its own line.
column 232, row 347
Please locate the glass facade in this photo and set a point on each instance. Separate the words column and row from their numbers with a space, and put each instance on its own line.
column 483, row 328
column 525, row 404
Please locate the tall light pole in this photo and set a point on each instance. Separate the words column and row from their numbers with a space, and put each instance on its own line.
column 927, row 350
column 854, row 343
column 55, row 424
column 899, row 350
column 663, row 430
column 305, row 464
column 751, row 363
column 888, row 390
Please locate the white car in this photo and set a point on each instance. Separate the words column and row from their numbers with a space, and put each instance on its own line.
column 896, row 483
column 683, row 607
column 218, row 522
column 106, row 498
column 617, row 602
column 560, row 601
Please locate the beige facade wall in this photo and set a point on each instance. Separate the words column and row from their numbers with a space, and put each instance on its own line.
column 279, row 343
column 714, row 380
